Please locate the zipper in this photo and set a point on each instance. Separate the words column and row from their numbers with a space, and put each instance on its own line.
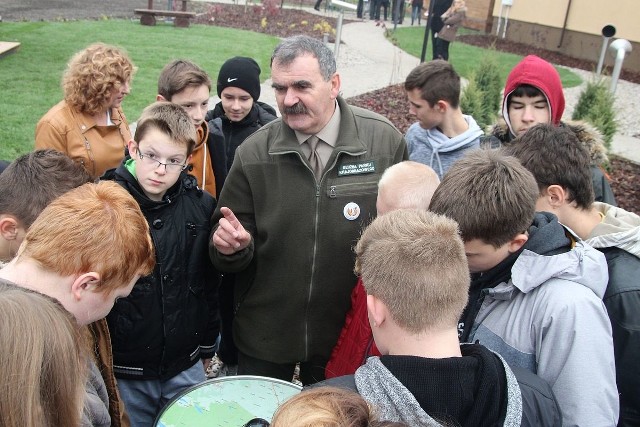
column 315, row 234
column 357, row 189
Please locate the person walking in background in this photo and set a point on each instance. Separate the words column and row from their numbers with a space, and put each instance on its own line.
column 89, row 125
column 451, row 19
column 439, row 8
column 416, row 11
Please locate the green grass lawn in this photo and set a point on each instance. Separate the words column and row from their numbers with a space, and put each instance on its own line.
column 465, row 57
column 30, row 78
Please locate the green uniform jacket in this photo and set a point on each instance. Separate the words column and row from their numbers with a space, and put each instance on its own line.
column 293, row 282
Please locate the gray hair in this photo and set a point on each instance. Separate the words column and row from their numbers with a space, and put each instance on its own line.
column 293, row 47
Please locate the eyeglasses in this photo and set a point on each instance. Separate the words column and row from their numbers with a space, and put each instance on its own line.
column 149, row 160
column 257, row 422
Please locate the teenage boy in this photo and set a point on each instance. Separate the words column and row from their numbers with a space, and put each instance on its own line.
column 536, row 290
column 231, row 121
column 239, row 113
column 414, row 270
column 27, row 186
column 442, row 133
column 86, row 249
column 169, row 322
column 533, row 95
column 186, row 84
column 560, row 165
column 405, row 185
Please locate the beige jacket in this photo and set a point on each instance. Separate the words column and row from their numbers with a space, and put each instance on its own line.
column 97, row 148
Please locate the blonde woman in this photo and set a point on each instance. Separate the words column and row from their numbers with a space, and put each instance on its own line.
column 452, row 19
column 89, row 124
column 41, row 359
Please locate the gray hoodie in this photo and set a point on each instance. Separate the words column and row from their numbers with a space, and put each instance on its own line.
column 549, row 318
column 436, row 150
column 395, row 402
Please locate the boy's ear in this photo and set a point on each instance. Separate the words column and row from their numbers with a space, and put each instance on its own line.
column 132, row 147
column 377, row 310
column 517, row 242
column 9, row 227
column 161, row 98
column 85, row 282
column 556, row 195
column 442, row 106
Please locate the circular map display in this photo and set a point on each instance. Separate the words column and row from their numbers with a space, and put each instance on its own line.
column 226, row 401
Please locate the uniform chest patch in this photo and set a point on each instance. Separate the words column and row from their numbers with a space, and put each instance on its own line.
column 357, row 168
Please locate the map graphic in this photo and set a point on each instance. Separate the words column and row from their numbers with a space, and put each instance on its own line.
column 227, row 402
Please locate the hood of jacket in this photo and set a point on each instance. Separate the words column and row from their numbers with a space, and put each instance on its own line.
column 587, row 134
column 440, row 143
column 554, row 251
column 536, row 72
column 619, row 228
column 378, row 386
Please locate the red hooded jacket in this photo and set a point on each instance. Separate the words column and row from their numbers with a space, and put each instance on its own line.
column 355, row 343
column 537, row 72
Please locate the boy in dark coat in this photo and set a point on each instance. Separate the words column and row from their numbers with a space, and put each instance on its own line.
column 168, row 323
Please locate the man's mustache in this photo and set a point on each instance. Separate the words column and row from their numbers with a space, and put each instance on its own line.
column 297, row 108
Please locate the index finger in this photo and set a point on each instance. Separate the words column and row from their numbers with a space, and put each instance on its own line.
column 230, row 216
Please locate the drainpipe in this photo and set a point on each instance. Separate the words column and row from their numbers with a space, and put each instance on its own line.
column 620, row 48
column 608, row 31
column 564, row 26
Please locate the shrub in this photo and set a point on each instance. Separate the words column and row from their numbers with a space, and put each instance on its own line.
column 482, row 96
column 595, row 105
column 489, row 81
column 472, row 103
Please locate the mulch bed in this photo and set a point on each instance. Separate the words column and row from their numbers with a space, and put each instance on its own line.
column 268, row 18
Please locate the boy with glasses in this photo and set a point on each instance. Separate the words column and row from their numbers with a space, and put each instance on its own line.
column 170, row 321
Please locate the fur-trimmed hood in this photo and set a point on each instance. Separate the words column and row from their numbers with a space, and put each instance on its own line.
column 586, row 133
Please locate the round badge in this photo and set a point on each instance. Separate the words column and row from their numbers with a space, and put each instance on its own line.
column 351, row 211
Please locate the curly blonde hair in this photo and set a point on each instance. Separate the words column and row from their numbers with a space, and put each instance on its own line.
column 93, row 74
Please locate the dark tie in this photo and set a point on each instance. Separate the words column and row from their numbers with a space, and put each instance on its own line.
column 314, row 158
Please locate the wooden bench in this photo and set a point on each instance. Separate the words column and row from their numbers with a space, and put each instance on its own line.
column 8, row 47
column 182, row 17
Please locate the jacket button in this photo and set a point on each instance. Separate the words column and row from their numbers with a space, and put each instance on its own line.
column 157, row 224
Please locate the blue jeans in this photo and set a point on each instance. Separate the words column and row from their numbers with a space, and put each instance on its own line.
column 143, row 399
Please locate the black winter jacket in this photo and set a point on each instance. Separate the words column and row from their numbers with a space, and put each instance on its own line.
column 170, row 319
column 622, row 300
